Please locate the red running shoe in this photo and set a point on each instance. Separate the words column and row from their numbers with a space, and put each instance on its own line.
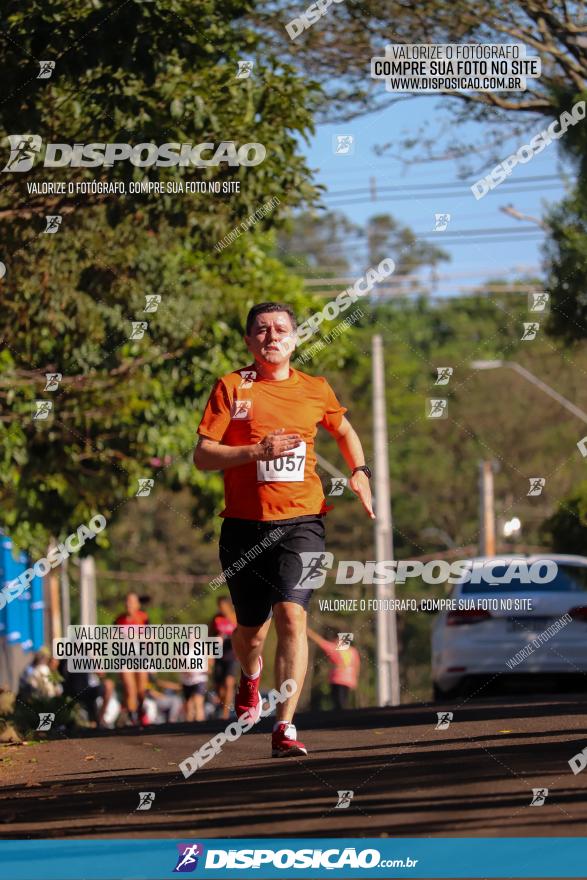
column 247, row 697
column 284, row 742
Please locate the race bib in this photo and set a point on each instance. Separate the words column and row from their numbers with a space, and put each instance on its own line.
column 287, row 469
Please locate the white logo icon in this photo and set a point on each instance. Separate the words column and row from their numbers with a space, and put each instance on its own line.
column 437, row 409
column 244, row 69
column 582, row 447
column 24, row 149
column 46, row 719
column 2, row 270
column 444, row 374
column 344, row 641
column 530, row 331
column 53, row 222
column 145, row 486
column 152, row 301
column 444, row 719
column 536, row 485
column 538, row 302
column 247, row 378
column 46, row 69
column 43, row 409
column 539, row 795
column 241, row 409
column 53, row 380
column 343, row 144
column 344, row 800
column 314, row 568
column 146, row 800
column 441, row 222
column 138, row 329
column 337, row 485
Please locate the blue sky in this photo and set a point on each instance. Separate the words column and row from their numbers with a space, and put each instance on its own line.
column 510, row 255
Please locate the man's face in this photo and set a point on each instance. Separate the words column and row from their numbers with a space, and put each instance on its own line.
column 272, row 339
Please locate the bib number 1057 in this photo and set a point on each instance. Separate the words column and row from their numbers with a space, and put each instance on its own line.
column 287, row 469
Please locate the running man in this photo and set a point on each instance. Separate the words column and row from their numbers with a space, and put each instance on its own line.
column 258, row 428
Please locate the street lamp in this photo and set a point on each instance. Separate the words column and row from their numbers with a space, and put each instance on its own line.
column 494, row 365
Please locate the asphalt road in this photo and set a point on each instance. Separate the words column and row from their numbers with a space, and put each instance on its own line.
column 409, row 779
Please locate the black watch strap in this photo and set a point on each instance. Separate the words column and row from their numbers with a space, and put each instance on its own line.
column 362, row 467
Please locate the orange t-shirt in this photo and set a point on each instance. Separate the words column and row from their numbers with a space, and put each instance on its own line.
column 241, row 410
column 139, row 618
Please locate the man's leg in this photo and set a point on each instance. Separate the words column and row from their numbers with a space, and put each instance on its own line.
column 291, row 657
column 248, row 642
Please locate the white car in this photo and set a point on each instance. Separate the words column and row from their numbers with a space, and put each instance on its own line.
column 495, row 630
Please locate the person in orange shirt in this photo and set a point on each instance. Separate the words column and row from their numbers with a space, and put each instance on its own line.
column 344, row 672
column 258, row 428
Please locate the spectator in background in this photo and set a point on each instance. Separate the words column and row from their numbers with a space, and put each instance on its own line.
column 91, row 690
column 40, row 680
column 134, row 684
column 169, row 704
column 195, row 685
column 344, row 671
column 226, row 667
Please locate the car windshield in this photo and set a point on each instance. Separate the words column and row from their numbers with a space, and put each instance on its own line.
column 569, row 579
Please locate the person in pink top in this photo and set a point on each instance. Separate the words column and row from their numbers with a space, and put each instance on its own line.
column 344, row 672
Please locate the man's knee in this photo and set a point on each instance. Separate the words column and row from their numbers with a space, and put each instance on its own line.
column 290, row 618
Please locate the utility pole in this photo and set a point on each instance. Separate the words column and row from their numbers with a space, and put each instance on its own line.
column 87, row 590
column 486, row 509
column 388, row 685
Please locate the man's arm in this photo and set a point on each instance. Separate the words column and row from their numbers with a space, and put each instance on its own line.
column 352, row 452
column 211, row 455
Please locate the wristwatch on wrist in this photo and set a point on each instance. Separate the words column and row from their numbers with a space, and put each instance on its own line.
column 362, row 467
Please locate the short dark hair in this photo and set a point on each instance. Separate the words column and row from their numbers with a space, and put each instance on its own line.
column 269, row 307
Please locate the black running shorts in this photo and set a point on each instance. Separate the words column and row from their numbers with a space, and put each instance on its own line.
column 262, row 564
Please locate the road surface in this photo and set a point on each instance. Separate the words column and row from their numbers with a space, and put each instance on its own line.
column 474, row 778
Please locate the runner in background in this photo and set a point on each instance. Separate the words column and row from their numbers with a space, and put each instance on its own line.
column 344, row 671
column 134, row 684
column 226, row 667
